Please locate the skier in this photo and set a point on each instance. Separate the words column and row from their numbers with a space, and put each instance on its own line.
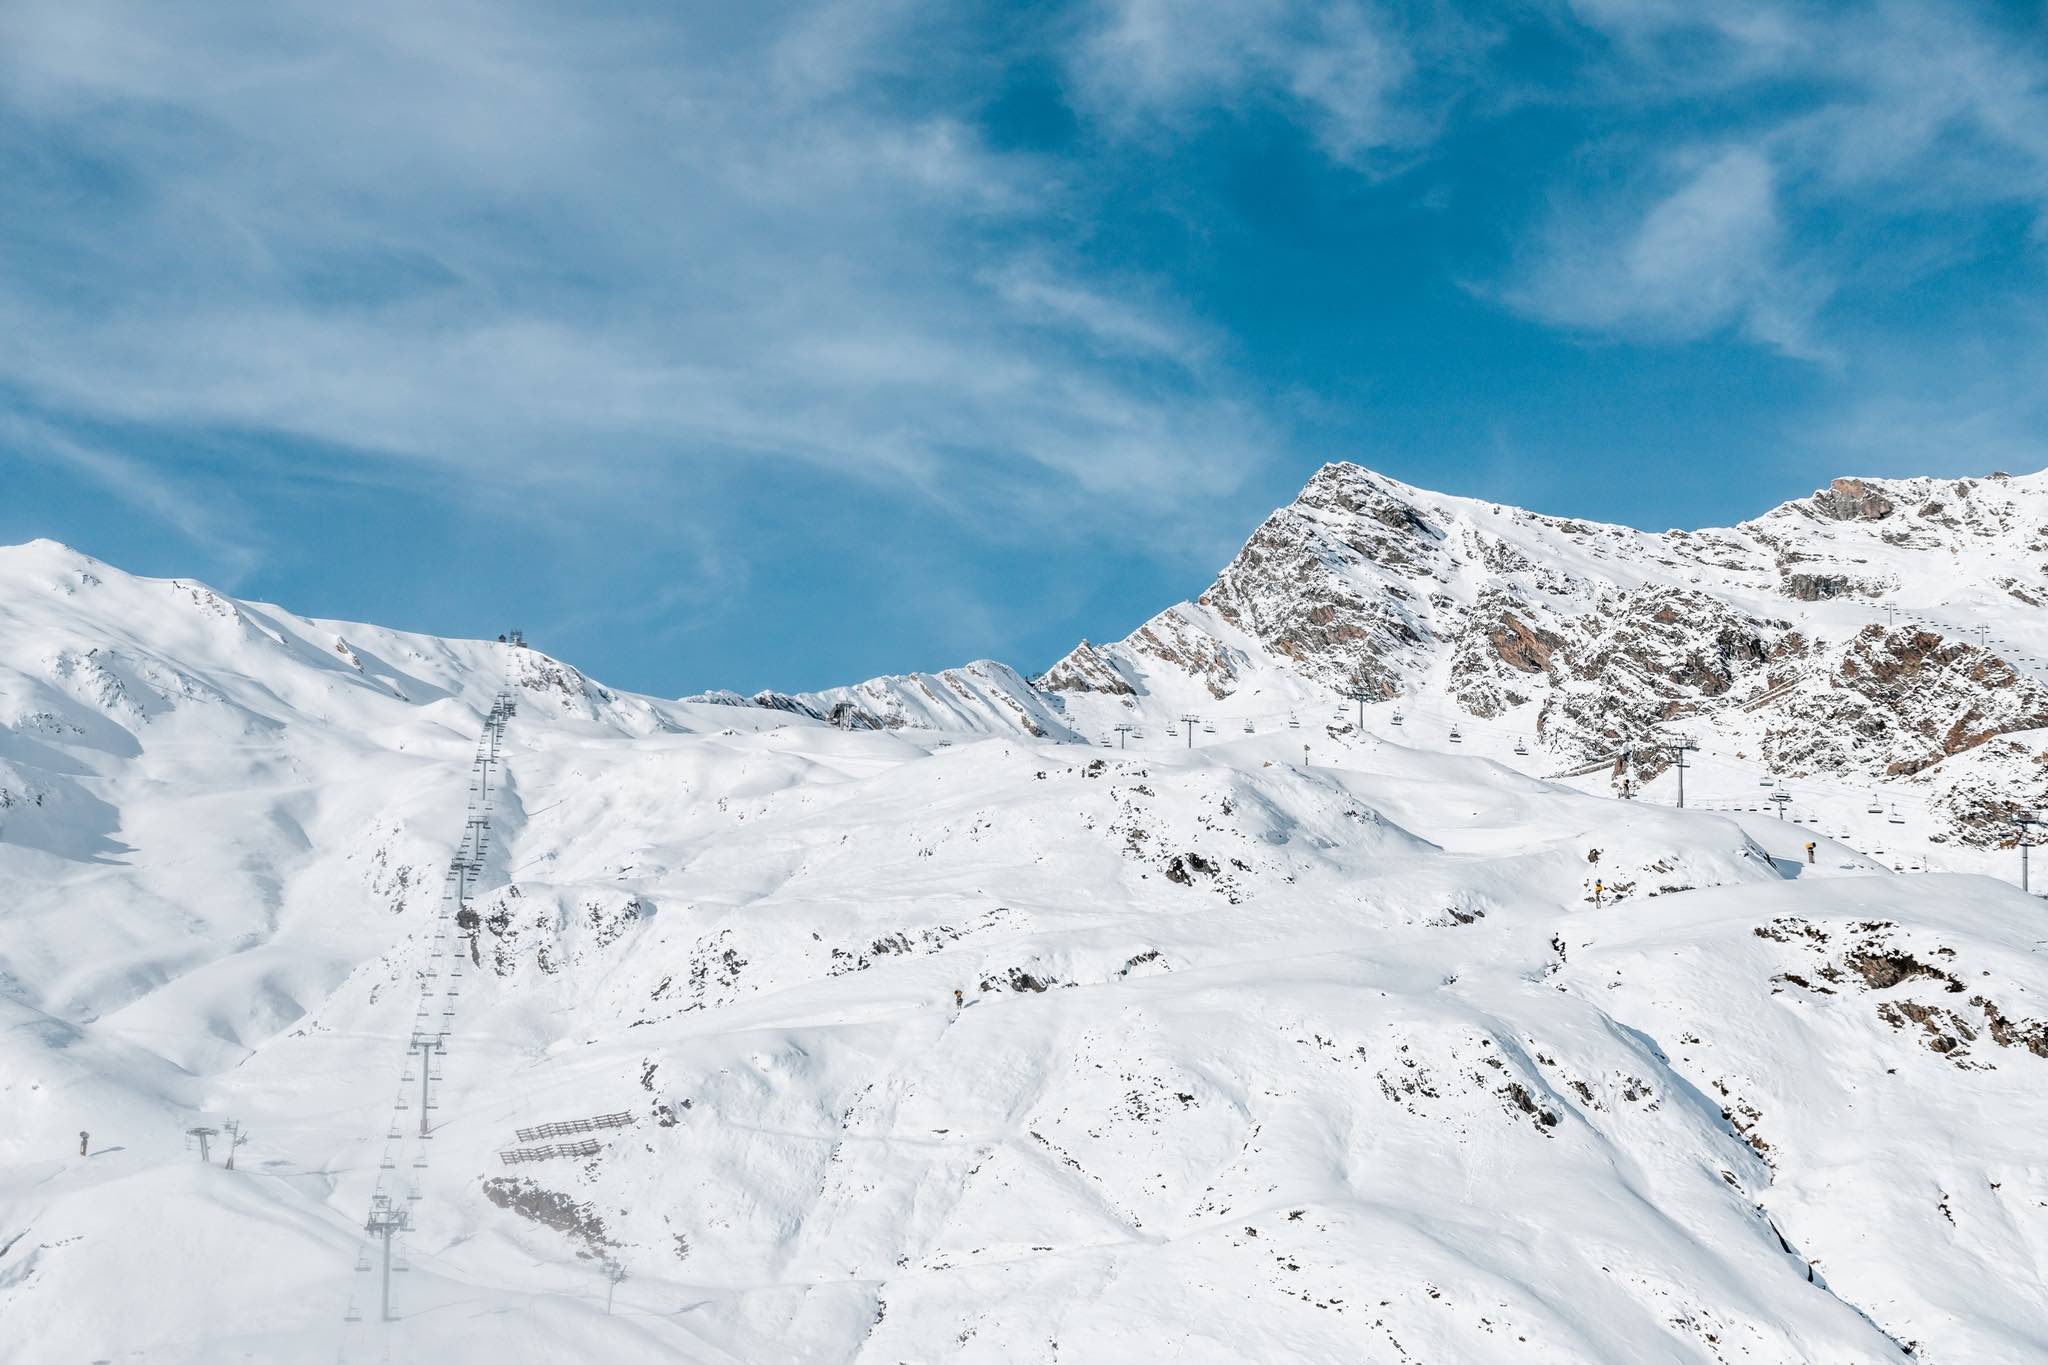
column 1809, row 851
column 83, row 1138
column 959, row 1000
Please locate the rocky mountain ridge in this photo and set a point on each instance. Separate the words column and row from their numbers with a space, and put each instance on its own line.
column 1870, row 634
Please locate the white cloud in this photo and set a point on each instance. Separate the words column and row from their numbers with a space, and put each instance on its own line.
column 1704, row 254
column 1343, row 68
column 562, row 248
column 1907, row 110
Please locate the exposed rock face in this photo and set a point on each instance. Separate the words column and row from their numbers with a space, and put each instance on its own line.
column 1585, row 639
column 1816, row 587
column 1084, row 670
column 1852, row 500
column 1320, row 583
column 1182, row 643
column 1519, row 646
column 1898, row 702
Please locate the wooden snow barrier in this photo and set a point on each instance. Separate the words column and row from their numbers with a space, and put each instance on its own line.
column 568, row 1126
column 587, row 1147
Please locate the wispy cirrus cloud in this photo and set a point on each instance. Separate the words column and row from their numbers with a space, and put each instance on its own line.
column 1368, row 79
column 568, row 245
column 1871, row 135
column 1708, row 249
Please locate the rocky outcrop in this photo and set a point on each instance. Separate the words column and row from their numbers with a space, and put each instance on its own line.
column 1585, row 638
column 1852, row 500
column 1085, row 670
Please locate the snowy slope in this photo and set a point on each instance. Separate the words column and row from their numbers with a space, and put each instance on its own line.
column 1395, row 1053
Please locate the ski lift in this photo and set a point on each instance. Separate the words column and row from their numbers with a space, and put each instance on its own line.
column 1875, row 809
column 1172, row 733
column 1521, row 748
column 1293, row 724
column 1456, row 738
column 1208, row 727
column 1765, row 781
column 1896, row 818
column 1397, row 718
column 1247, row 727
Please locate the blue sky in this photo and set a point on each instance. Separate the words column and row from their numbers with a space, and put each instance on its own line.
column 780, row 345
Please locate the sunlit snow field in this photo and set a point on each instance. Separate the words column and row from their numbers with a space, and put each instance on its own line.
column 1257, row 1058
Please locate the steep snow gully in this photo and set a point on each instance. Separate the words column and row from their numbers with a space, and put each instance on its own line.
column 801, row 1032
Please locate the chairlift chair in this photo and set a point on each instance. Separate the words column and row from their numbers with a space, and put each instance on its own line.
column 1875, row 809
column 1247, row 727
column 1293, row 724
column 1896, row 818
column 1208, row 728
column 1456, row 738
column 1397, row 718
column 1520, row 747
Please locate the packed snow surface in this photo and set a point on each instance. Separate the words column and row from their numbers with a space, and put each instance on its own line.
column 945, row 1041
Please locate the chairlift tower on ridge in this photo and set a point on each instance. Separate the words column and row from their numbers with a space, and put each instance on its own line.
column 1678, row 749
column 2027, row 822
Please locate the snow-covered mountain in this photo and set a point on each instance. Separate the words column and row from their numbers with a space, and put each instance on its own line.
column 1853, row 643
column 874, row 1028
